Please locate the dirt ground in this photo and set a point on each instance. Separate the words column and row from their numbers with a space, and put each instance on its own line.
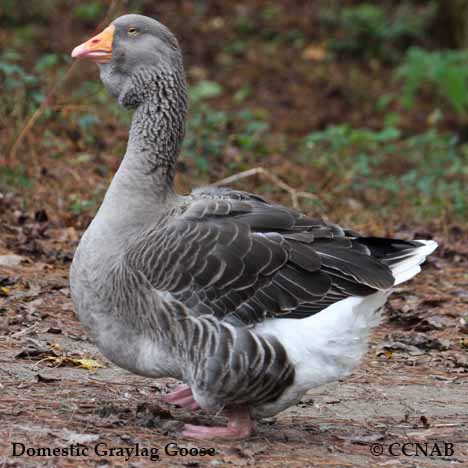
column 57, row 391
column 411, row 389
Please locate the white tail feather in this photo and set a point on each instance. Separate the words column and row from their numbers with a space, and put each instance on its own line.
column 406, row 269
column 327, row 346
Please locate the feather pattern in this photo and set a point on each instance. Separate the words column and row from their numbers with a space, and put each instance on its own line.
column 218, row 254
column 223, row 268
column 244, row 300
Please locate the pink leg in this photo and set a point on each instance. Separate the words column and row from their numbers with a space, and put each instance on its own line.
column 240, row 426
column 183, row 397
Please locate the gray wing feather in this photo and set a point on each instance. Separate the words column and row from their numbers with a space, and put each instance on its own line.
column 240, row 258
column 230, row 258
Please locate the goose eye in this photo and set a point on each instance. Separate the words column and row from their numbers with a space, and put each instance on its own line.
column 132, row 31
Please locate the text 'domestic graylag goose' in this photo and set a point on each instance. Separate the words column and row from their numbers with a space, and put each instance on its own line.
column 249, row 303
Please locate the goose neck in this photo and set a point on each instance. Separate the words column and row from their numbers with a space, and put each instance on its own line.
column 157, row 130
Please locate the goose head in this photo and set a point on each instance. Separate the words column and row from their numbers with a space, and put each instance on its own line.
column 133, row 53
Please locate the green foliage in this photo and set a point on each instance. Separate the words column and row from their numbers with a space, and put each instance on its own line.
column 13, row 75
column 204, row 90
column 89, row 11
column 368, row 29
column 22, row 93
column 46, row 62
column 78, row 205
column 14, row 177
column 271, row 13
column 381, row 169
column 211, row 133
column 444, row 72
column 14, row 11
column 24, row 89
column 205, row 136
column 341, row 137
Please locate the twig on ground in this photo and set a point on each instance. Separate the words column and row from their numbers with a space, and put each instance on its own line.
column 293, row 193
column 25, row 331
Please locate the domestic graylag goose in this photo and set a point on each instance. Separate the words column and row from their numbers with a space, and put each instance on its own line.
column 248, row 303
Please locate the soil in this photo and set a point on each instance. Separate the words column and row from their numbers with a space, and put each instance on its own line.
column 410, row 389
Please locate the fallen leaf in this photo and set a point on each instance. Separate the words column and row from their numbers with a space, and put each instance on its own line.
column 425, row 422
column 89, row 364
column 435, row 322
column 435, row 300
column 464, row 324
column 362, row 437
column 461, row 361
column 331, row 401
column 77, row 438
column 42, row 379
column 11, row 260
column 424, row 434
column 34, row 349
column 314, row 53
column 32, row 291
column 7, row 281
column 32, row 306
column 65, row 235
column 414, row 344
column 59, row 361
column 391, row 346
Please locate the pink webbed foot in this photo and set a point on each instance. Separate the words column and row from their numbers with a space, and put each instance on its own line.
column 182, row 397
column 240, row 426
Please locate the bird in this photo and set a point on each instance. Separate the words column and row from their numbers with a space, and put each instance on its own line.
column 248, row 303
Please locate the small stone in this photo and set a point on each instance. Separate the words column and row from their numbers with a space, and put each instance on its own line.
column 464, row 324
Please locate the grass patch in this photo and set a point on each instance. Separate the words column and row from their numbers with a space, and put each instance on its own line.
column 441, row 73
column 370, row 30
column 384, row 172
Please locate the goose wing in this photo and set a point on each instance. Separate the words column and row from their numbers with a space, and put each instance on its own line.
column 234, row 255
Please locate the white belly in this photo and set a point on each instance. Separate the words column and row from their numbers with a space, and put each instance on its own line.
column 326, row 346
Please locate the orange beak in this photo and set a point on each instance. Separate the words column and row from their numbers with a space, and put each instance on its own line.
column 98, row 48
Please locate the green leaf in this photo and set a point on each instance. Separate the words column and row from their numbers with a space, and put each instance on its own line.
column 88, row 10
column 46, row 62
column 205, row 90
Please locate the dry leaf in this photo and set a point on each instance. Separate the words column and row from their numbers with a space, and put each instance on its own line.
column 89, row 364
column 77, row 438
column 84, row 363
column 43, row 379
column 10, row 260
column 314, row 53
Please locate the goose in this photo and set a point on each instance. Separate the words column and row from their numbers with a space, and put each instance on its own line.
column 248, row 303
